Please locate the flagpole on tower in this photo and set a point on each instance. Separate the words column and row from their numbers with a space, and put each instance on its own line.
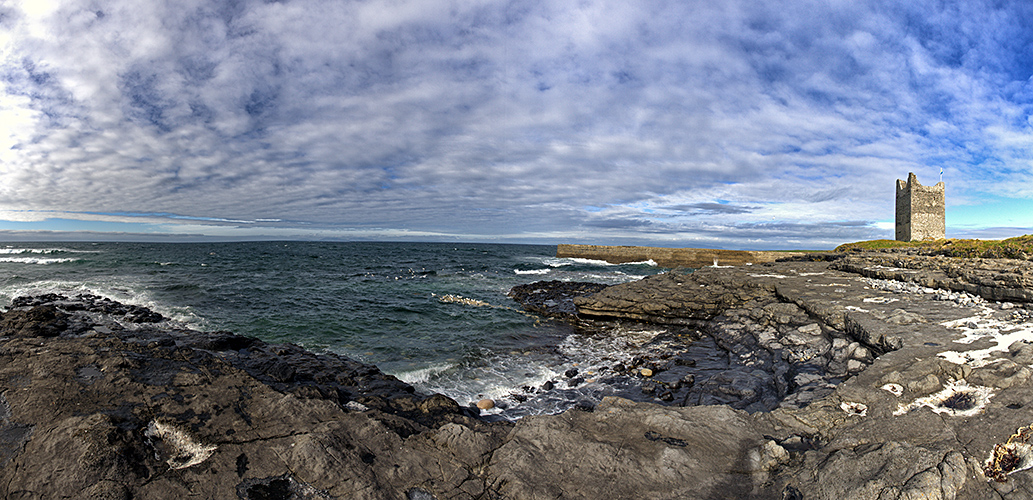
column 941, row 174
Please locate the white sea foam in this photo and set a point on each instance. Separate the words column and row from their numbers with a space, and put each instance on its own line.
column 594, row 262
column 119, row 293
column 617, row 277
column 35, row 260
column 570, row 261
column 650, row 262
column 554, row 261
column 498, row 377
column 622, row 342
column 422, row 375
column 503, row 376
column 16, row 251
column 591, row 262
column 532, row 271
column 19, row 251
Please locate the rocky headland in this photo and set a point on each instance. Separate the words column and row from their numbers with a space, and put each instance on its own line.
column 669, row 257
column 839, row 376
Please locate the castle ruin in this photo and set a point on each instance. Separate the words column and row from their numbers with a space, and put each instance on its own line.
column 920, row 210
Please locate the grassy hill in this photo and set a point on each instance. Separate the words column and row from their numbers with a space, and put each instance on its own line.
column 1020, row 247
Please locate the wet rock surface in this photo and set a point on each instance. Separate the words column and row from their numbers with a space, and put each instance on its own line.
column 872, row 376
column 841, row 378
column 117, row 409
column 554, row 299
column 734, row 342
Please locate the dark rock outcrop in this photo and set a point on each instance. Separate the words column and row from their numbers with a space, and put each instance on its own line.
column 553, row 299
column 671, row 298
column 92, row 303
column 773, row 352
column 896, row 382
column 123, row 410
column 40, row 321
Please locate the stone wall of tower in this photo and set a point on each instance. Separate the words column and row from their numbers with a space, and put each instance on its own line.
column 921, row 210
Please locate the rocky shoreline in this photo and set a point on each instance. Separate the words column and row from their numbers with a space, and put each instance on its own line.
column 670, row 257
column 860, row 376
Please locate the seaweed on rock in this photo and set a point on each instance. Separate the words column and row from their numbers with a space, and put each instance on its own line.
column 1011, row 456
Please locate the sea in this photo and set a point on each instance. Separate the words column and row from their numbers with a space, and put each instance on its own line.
column 435, row 315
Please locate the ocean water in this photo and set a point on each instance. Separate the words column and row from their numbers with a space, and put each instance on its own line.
column 435, row 315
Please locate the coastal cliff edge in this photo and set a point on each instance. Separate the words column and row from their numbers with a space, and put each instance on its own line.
column 670, row 257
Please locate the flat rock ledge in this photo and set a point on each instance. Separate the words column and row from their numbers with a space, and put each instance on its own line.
column 98, row 401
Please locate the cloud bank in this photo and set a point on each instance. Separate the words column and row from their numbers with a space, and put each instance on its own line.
column 740, row 124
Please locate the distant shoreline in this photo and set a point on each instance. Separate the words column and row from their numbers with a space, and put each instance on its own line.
column 670, row 257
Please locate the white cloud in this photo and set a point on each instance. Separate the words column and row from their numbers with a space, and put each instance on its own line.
column 494, row 118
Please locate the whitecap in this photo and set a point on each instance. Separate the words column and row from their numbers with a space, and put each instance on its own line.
column 44, row 251
column 532, row 271
column 557, row 262
column 591, row 262
column 18, row 251
column 35, row 260
column 650, row 262
column 422, row 375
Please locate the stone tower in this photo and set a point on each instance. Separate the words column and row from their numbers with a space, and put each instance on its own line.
column 920, row 210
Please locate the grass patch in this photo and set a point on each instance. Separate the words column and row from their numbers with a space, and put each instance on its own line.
column 1020, row 247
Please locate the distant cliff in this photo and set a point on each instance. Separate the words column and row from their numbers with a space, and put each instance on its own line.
column 668, row 257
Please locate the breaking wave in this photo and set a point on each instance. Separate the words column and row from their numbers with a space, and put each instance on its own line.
column 36, row 260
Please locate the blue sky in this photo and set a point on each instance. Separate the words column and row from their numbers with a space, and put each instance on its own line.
column 736, row 124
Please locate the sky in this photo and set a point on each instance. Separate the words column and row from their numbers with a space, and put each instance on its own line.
column 734, row 124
